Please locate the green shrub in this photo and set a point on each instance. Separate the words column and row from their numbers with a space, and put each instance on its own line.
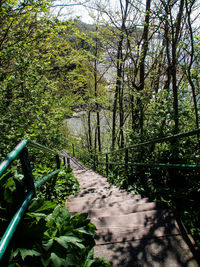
column 48, row 235
column 51, row 236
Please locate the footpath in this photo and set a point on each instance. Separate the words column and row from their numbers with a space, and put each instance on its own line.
column 131, row 231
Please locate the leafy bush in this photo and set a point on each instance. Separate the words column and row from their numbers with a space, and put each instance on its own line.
column 58, row 188
column 48, row 235
column 12, row 193
column 51, row 236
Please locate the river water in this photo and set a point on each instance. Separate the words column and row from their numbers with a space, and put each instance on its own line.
column 77, row 125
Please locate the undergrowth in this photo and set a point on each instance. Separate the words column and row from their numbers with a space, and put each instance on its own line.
column 48, row 235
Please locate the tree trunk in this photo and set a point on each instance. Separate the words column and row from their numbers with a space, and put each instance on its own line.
column 121, row 113
column 117, row 88
column 188, row 11
column 143, row 54
column 119, row 83
column 98, row 127
column 175, row 40
column 144, row 45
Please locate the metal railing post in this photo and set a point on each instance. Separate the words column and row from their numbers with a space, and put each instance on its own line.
column 96, row 161
column 64, row 161
column 73, row 150
column 126, row 160
column 94, row 165
column 126, row 167
column 53, row 181
column 106, row 164
column 26, row 168
column 58, row 162
column 68, row 162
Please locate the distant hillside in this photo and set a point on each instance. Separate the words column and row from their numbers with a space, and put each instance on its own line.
column 84, row 27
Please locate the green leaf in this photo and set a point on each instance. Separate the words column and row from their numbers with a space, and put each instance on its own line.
column 90, row 254
column 79, row 219
column 86, row 230
column 47, row 244
column 6, row 175
column 100, row 262
column 39, row 205
column 65, row 240
column 35, row 214
column 57, row 261
column 89, row 259
column 51, row 233
column 45, row 261
column 89, row 262
column 72, row 259
column 28, row 252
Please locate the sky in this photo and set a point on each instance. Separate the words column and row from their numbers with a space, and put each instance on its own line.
column 83, row 13
column 72, row 11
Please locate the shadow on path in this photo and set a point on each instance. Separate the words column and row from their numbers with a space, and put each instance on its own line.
column 131, row 232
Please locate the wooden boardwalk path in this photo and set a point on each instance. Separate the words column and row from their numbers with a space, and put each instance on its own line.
column 131, row 231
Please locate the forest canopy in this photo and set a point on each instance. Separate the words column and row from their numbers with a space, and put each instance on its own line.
column 50, row 66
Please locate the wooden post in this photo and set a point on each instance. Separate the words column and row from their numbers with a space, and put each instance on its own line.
column 64, row 161
column 73, row 150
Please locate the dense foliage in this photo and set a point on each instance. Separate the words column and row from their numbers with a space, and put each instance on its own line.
column 48, row 235
column 41, row 75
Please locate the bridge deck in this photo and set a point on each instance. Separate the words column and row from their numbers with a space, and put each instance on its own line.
column 131, row 231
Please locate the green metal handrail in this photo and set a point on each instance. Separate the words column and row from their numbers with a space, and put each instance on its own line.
column 151, row 164
column 18, row 149
column 13, row 225
column 21, row 150
column 95, row 156
column 79, row 149
column 44, row 148
column 12, row 155
column 157, row 140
